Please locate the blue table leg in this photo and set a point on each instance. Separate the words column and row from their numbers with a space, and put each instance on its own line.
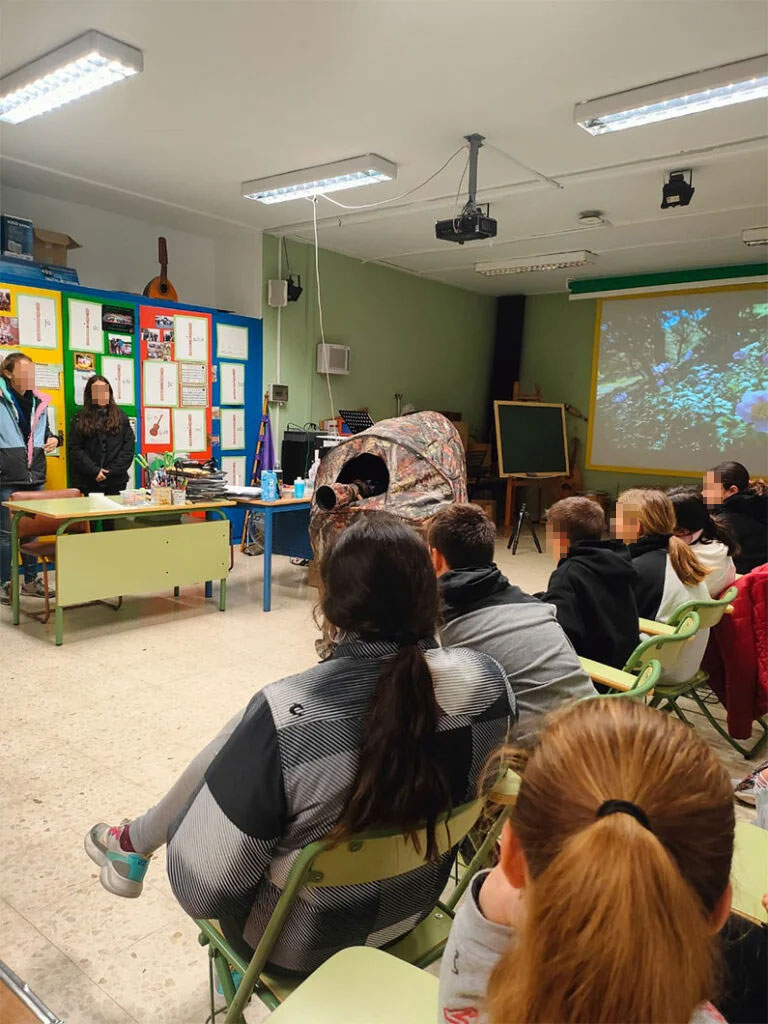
column 267, row 599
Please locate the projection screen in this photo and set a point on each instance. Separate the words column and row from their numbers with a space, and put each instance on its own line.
column 680, row 381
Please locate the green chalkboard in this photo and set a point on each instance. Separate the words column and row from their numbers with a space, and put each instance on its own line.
column 530, row 439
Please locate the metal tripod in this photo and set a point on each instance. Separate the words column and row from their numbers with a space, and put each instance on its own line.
column 514, row 537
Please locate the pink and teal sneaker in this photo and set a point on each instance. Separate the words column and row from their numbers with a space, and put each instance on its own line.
column 122, row 873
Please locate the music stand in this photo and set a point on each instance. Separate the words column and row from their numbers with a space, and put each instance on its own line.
column 514, row 537
column 356, row 419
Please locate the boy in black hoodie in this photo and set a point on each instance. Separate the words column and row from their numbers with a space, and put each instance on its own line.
column 592, row 586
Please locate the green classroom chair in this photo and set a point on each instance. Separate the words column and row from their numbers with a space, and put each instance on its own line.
column 632, row 687
column 361, row 985
column 667, row 695
column 368, row 857
column 663, row 649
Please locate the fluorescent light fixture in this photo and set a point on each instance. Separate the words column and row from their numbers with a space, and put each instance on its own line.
column 82, row 66
column 531, row 264
column 315, row 181
column 675, row 97
column 755, row 236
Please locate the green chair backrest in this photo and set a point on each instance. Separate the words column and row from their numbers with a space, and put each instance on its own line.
column 709, row 612
column 377, row 855
column 368, row 857
column 644, row 683
column 666, row 648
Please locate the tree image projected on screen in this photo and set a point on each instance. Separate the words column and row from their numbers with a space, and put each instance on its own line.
column 682, row 380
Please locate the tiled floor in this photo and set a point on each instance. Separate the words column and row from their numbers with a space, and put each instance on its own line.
column 97, row 730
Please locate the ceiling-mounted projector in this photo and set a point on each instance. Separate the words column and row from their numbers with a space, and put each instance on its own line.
column 474, row 221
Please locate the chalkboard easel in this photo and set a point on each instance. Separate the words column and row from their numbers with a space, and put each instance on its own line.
column 531, row 445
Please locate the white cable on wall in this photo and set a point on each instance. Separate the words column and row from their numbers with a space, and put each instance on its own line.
column 278, row 379
column 320, row 302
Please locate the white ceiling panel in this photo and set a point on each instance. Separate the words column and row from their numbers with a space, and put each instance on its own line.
column 237, row 90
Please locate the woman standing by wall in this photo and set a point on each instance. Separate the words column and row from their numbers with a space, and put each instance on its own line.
column 25, row 440
column 101, row 444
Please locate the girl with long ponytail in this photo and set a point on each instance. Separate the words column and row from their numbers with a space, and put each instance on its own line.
column 389, row 732
column 713, row 542
column 669, row 573
column 612, row 885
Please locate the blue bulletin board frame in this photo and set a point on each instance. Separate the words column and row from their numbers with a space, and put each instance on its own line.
column 253, row 365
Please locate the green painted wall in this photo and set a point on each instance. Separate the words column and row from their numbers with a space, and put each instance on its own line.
column 557, row 355
column 430, row 341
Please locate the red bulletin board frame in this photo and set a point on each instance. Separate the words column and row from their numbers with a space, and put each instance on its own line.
column 148, row 320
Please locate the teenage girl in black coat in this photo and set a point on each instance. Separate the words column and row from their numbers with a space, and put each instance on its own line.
column 101, row 443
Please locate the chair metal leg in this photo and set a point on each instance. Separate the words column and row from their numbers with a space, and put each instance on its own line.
column 47, row 599
column 227, row 984
column 745, row 752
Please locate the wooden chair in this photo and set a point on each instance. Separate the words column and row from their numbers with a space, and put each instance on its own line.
column 369, row 857
column 667, row 695
column 35, row 527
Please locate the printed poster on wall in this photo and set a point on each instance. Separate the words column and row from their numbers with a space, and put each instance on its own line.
column 232, row 383
column 157, row 427
column 85, row 331
column 37, row 321
column 161, row 383
column 191, row 339
column 81, row 379
column 231, row 342
column 232, row 428
column 48, row 377
column 233, row 466
column 189, row 430
column 119, row 373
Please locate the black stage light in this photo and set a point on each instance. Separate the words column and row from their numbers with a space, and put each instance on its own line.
column 677, row 191
column 294, row 289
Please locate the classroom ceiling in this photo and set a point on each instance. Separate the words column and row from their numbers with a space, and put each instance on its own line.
column 239, row 90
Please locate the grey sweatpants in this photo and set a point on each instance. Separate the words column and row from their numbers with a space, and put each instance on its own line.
column 150, row 830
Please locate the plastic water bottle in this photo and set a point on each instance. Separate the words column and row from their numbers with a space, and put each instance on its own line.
column 298, row 487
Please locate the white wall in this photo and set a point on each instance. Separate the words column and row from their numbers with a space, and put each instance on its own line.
column 119, row 253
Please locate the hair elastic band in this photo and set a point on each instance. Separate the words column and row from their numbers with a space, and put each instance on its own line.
column 624, row 807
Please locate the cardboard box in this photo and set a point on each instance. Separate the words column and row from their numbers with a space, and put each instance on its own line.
column 52, row 246
column 16, row 237
column 489, row 507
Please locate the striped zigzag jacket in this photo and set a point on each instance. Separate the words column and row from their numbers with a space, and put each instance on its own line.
column 281, row 781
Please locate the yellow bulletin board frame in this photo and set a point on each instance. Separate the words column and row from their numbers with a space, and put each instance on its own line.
column 760, row 286
column 56, row 477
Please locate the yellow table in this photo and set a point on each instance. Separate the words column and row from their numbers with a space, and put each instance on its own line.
column 92, row 566
column 749, row 871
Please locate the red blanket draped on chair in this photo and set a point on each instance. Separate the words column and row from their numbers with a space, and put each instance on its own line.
column 737, row 655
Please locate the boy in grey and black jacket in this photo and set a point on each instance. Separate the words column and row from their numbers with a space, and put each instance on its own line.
column 483, row 611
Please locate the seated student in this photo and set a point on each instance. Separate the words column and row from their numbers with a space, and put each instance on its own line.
column 612, row 885
column 712, row 542
column 482, row 610
column 592, row 586
column 391, row 730
column 669, row 574
column 101, row 443
column 743, row 507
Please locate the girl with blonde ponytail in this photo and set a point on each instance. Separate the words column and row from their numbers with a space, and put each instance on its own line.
column 669, row 573
column 612, row 884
